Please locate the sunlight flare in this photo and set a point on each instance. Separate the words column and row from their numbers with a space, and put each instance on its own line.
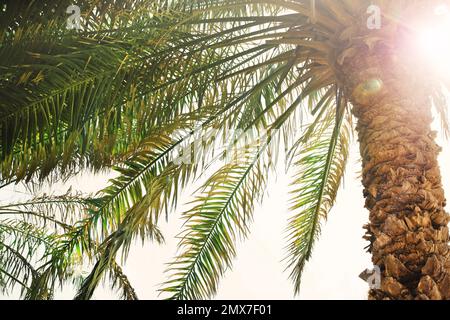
column 433, row 39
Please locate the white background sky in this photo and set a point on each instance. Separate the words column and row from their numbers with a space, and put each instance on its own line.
column 258, row 272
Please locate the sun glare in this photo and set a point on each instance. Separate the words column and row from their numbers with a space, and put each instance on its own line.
column 433, row 39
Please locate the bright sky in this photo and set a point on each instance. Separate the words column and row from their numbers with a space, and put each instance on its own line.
column 258, row 271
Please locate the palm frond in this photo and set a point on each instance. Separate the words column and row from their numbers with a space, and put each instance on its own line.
column 320, row 163
column 120, row 280
column 80, row 72
column 219, row 217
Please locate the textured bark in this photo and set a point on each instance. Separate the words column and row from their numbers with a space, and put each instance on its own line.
column 408, row 229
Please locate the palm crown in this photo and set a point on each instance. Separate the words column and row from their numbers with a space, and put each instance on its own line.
column 158, row 91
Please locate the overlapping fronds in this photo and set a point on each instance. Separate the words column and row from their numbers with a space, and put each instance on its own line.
column 53, row 212
column 21, row 244
column 52, row 218
column 59, row 253
column 131, row 206
column 132, row 190
column 137, row 221
column 234, row 57
column 17, row 16
column 93, row 94
column 67, row 73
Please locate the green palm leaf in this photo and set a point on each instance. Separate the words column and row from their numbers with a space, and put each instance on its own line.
column 320, row 164
column 220, row 215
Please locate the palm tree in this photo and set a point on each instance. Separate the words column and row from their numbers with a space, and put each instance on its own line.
column 144, row 82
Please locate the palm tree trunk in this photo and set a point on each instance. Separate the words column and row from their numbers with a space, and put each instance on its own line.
column 408, row 229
